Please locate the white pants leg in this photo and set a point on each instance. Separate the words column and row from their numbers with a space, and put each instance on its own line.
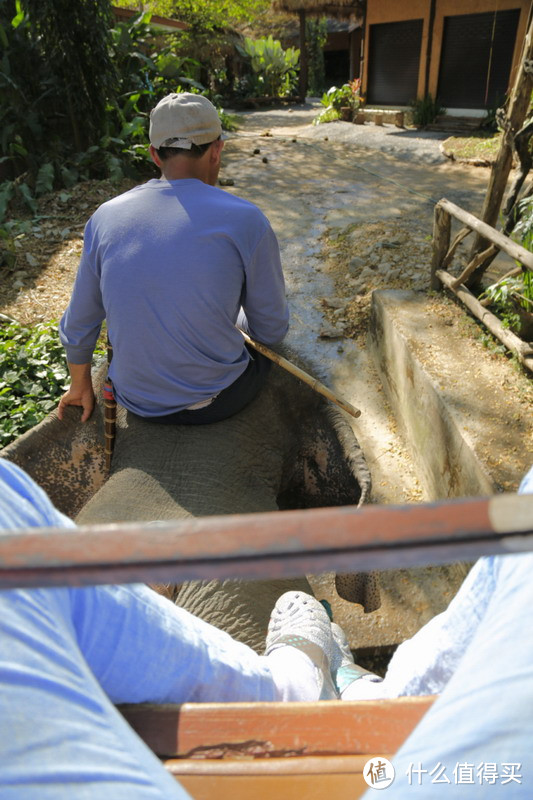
column 480, row 730
column 425, row 663
column 476, row 741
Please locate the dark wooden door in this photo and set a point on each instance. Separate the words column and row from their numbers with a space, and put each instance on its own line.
column 477, row 52
column 394, row 60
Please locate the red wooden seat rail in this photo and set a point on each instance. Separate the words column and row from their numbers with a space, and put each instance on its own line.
column 274, row 544
column 230, row 751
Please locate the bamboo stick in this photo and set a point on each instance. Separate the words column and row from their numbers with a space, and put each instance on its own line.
column 315, row 384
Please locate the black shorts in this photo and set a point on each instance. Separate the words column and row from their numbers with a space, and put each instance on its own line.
column 230, row 400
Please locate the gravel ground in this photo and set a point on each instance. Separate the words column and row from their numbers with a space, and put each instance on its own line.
column 406, row 144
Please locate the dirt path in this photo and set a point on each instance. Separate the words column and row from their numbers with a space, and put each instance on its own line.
column 351, row 219
column 341, row 212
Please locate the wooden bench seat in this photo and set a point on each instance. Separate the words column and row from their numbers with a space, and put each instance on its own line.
column 282, row 750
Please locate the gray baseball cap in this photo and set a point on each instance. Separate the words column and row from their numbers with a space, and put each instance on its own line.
column 181, row 120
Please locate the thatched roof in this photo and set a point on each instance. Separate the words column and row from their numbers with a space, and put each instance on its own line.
column 328, row 8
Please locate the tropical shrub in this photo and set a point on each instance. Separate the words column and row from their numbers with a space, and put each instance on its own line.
column 274, row 70
column 316, row 34
column 512, row 296
column 34, row 375
column 347, row 95
column 37, row 152
column 425, row 110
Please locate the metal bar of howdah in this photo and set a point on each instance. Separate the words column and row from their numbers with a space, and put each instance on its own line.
column 266, row 545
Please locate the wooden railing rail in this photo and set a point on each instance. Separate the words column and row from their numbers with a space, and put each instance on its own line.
column 268, row 545
column 443, row 253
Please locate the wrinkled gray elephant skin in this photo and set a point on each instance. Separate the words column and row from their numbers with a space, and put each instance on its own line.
column 288, row 449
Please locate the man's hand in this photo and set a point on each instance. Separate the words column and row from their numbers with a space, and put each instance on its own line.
column 80, row 392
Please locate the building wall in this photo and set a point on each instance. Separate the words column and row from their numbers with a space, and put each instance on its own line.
column 448, row 8
column 380, row 11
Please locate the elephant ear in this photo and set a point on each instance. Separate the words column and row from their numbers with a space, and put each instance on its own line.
column 65, row 457
column 359, row 587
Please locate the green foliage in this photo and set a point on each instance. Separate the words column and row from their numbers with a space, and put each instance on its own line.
column 34, row 375
column 228, row 121
column 512, row 295
column 36, row 142
column 501, row 296
column 74, row 44
column 24, row 91
column 55, row 83
column 426, row 110
column 146, row 73
column 489, row 122
column 523, row 230
column 492, row 344
column 337, row 97
column 329, row 114
column 205, row 14
column 275, row 70
column 316, row 35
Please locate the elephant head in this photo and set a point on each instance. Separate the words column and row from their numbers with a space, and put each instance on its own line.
column 288, row 449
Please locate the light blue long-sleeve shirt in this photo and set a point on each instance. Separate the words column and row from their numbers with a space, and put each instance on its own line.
column 174, row 266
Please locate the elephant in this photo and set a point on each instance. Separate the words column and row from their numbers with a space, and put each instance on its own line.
column 289, row 448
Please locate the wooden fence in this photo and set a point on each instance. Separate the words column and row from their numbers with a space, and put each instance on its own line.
column 443, row 253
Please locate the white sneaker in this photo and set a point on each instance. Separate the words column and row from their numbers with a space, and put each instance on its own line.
column 299, row 620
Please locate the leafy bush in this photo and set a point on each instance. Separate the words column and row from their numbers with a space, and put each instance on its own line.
column 34, row 375
column 347, row 95
column 42, row 158
column 513, row 295
column 274, row 69
column 316, row 34
column 424, row 111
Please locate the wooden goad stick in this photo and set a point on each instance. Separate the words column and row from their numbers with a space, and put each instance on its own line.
column 303, row 376
column 110, row 412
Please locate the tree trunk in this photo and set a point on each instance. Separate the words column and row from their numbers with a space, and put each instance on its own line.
column 304, row 67
column 518, row 107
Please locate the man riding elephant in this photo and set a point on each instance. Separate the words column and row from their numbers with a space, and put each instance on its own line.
column 175, row 266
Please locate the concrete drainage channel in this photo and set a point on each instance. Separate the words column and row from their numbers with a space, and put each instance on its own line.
column 454, row 430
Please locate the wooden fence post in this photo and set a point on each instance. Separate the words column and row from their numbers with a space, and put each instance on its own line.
column 442, row 225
